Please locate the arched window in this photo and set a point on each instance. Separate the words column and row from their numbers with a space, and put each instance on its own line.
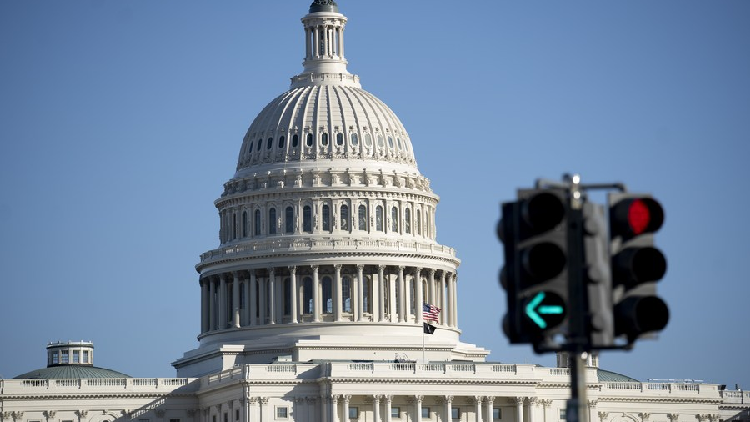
column 272, row 221
column 260, row 141
column 324, row 139
column 354, row 138
column 345, row 217
column 346, row 293
column 407, row 221
column 257, row 222
column 379, row 218
column 289, row 220
column 281, row 142
column 308, row 306
column 307, row 219
column 427, row 225
column 394, row 220
column 390, row 142
column 327, row 295
column 362, row 217
column 419, row 223
column 309, row 139
column 250, row 150
column 295, row 141
column 244, row 223
column 368, row 140
column 287, row 287
column 234, row 226
column 339, row 139
column 270, row 143
column 326, row 218
column 367, row 287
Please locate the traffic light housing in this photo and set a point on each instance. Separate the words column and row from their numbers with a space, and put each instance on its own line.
column 534, row 232
column 636, row 265
column 597, row 277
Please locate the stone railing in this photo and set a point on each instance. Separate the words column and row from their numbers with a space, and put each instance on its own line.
column 660, row 389
column 264, row 246
column 735, row 396
column 99, row 385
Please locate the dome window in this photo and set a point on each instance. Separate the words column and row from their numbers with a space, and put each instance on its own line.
column 327, row 295
column 346, row 293
column 307, row 219
column 339, row 139
column 244, row 223
column 289, row 220
column 295, row 141
column 326, row 218
column 270, row 143
column 257, row 222
column 309, row 139
column 324, row 139
column 379, row 218
column 381, row 145
column 390, row 142
column 394, row 220
column 345, row 217
column 354, row 138
column 250, row 149
column 260, row 142
column 407, row 221
column 281, row 142
column 398, row 142
column 272, row 221
column 362, row 217
column 368, row 140
column 307, row 296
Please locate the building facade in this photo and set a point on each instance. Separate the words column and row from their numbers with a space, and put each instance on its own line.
column 314, row 306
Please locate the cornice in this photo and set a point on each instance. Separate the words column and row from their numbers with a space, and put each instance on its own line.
column 94, row 396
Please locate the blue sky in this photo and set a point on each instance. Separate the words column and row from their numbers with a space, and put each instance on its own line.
column 120, row 121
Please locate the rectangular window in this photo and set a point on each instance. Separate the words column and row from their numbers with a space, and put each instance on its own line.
column 76, row 356
column 213, row 418
column 425, row 412
column 282, row 412
column 85, row 356
column 395, row 412
column 55, row 358
column 563, row 414
column 226, row 417
column 65, row 358
column 496, row 414
column 455, row 413
column 237, row 414
column 353, row 413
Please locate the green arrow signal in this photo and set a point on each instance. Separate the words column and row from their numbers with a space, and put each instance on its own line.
column 534, row 310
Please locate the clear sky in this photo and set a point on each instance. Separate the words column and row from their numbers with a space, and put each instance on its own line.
column 121, row 120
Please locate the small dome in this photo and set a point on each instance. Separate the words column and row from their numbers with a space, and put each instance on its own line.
column 71, row 372
column 71, row 360
column 324, row 6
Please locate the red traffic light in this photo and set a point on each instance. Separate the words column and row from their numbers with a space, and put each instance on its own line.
column 636, row 216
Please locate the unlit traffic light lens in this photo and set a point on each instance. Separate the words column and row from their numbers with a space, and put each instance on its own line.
column 544, row 261
column 544, row 211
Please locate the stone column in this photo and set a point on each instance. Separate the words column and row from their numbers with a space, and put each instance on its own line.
column 392, row 300
column 316, row 294
column 380, row 309
column 403, row 313
column 204, row 305
column 265, row 415
column 272, row 296
column 360, row 293
column 236, row 299
column 262, row 300
column 533, row 405
column 489, row 401
column 388, row 406
column 454, row 290
column 478, row 409
column 337, row 297
column 222, row 301
column 546, row 403
column 245, row 320
column 448, row 401
column 293, row 286
column 252, row 306
column 592, row 411
column 519, row 408
column 418, row 408
column 307, row 43
column 310, row 408
column 431, row 286
column 444, row 292
column 346, row 397
column 419, row 300
column 376, row 408
column 211, row 304
column 334, row 408
column 324, row 403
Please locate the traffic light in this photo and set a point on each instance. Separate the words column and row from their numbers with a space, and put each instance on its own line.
column 534, row 232
column 636, row 265
column 597, row 277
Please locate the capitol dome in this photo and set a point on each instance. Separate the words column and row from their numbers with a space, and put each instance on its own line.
column 327, row 238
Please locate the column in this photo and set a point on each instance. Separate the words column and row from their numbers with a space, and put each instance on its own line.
column 252, row 306
column 533, row 406
column 262, row 300
column 478, row 408
column 236, row 299
column 454, row 311
column 392, row 293
column 245, row 320
column 420, row 295
column 444, row 300
column 316, row 295
column 376, row 408
column 545, row 409
column 204, row 305
column 265, row 415
column 324, row 402
column 388, row 405
column 341, row 42
column 360, row 302
column 222, row 301
column 418, row 407
column 337, row 297
column 307, row 43
column 489, row 405
column 448, row 400
column 347, row 397
column 211, row 304
column 519, row 408
column 380, row 289
column 404, row 296
column 334, row 408
column 272, row 296
column 431, row 286
column 295, row 306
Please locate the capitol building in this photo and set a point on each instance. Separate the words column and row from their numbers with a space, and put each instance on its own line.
column 329, row 297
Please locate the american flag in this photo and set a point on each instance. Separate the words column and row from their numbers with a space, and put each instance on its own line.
column 430, row 312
